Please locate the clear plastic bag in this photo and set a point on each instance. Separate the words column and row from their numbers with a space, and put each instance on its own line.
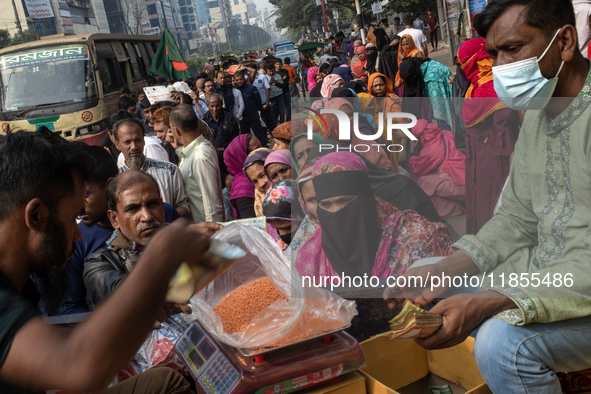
column 181, row 87
column 158, row 349
column 308, row 310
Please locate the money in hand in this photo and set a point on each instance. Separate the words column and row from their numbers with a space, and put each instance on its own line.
column 414, row 322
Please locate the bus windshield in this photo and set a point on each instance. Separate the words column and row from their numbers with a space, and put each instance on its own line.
column 45, row 76
column 285, row 48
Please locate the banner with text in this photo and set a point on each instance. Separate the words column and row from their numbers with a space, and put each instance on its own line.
column 39, row 9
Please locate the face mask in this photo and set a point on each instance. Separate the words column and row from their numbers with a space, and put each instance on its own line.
column 286, row 238
column 521, row 85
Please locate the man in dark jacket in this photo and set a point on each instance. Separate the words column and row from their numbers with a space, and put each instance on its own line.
column 224, row 128
column 136, row 213
column 95, row 227
column 251, row 119
column 224, row 91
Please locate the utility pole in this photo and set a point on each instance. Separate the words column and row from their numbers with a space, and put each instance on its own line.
column 18, row 22
column 325, row 20
column 360, row 17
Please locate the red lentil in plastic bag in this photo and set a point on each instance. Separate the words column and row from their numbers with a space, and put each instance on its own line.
column 278, row 313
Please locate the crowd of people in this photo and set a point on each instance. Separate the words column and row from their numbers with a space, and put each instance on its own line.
column 99, row 229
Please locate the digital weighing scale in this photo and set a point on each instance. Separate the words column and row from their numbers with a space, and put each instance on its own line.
column 221, row 369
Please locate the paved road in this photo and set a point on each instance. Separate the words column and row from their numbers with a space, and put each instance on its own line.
column 442, row 56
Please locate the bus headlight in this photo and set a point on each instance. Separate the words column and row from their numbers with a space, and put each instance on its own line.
column 91, row 128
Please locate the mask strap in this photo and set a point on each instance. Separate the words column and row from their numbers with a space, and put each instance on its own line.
column 559, row 69
column 549, row 45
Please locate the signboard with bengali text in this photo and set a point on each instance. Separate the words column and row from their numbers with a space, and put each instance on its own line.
column 44, row 55
column 148, row 30
column 39, row 9
column 78, row 19
column 376, row 8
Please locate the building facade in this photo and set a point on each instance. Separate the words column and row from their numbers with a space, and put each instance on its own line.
column 48, row 17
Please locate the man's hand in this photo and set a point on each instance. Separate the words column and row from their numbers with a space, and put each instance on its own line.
column 462, row 314
column 413, row 291
column 176, row 243
column 169, row 309
column 176, row 96
column 418, row 288
column 207, row 229
column 193, row 96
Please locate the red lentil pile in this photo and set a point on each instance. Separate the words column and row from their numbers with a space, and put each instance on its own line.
column 239, row 308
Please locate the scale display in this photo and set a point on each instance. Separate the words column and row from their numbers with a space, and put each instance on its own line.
column 209, row 366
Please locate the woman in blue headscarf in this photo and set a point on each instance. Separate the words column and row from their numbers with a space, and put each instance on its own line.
column 344, row 72
column 353, row 98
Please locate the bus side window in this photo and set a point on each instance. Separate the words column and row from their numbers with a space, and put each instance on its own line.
column 140, row 59
column 145, row 58
column 150, row 51
column 135, row 70
column 109, row 70
column 110, row 75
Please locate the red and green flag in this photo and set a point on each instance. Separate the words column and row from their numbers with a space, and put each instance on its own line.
column 168, row 60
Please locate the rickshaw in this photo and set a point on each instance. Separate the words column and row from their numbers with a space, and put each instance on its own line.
column 249, row 56
column 249, row 59
column 307, row 53
column 210, row 70
column 229, row 63
column 269, row 59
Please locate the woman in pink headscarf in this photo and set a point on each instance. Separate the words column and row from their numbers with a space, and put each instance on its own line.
column 242, row 193
column 439, row 169
column 278, row 165
column 311, row 77
column 330, row 83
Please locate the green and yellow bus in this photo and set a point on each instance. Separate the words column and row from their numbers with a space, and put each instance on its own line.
column 70, row 83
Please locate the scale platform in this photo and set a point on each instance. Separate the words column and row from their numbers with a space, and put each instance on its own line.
column 221, row 369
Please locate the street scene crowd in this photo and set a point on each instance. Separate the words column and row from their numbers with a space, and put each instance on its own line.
column 501, row 140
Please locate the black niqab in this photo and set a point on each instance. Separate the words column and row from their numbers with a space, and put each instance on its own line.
column 351, row 236
column 372, row 57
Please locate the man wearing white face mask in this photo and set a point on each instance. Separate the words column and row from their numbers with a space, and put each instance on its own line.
column 539, row 322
